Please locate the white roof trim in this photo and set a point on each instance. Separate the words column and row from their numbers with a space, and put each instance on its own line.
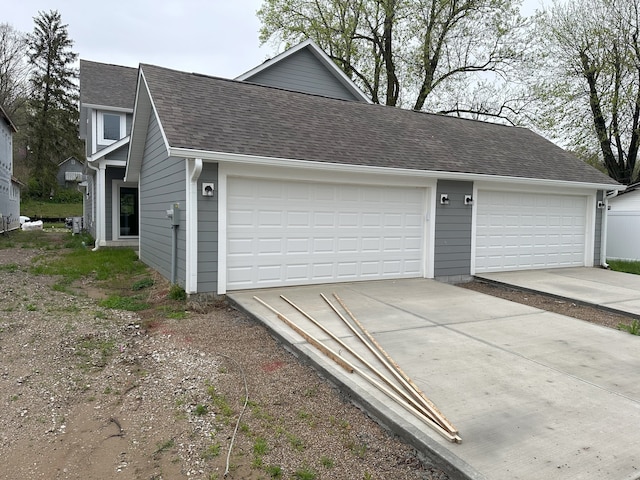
column 322, row 56
column 143, row 101
column 334, row 167
column 106, row 108
column 111, row 148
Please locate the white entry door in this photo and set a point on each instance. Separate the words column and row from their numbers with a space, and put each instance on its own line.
column 294, row 233
column 519, row 231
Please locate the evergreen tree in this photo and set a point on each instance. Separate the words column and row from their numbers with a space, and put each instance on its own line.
column 53, row 123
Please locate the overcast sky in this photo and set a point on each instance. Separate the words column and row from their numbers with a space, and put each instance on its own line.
column 215, row 37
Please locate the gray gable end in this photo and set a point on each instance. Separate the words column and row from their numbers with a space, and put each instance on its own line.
column 302, row 72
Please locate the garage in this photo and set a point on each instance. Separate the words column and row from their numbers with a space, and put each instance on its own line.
column 294, row 233
column 519, row 230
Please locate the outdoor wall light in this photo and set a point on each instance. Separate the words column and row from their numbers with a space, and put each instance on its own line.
column 207, row 189
column 444, row 199
column 600, row 204
column 468, row 200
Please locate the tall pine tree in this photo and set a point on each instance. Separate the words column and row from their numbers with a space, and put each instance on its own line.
column 53, row 124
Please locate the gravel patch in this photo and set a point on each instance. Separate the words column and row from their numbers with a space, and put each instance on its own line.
column 91, row 393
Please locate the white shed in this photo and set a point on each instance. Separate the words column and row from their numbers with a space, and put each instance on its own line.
column 623, row 225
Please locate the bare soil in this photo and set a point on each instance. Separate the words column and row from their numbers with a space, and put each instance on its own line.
column 552, row 304
column 88, row 392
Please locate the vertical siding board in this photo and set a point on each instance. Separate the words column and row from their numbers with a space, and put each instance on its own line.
column 303, row 72
column 208, row 233
column 111, row 174
column 162, row 183
column 453, row 230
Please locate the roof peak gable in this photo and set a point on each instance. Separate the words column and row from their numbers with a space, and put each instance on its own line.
column 321, row 56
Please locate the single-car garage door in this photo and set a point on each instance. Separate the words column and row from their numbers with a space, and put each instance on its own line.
column 519, row 231
column 295, row 233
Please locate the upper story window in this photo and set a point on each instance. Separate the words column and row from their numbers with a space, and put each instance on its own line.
column 111, row 127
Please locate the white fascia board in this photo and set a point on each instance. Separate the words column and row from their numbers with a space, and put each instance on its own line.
column 340, row 167
column 110, row 149
column 108, row 108
column 320, row 55
column 133, row 169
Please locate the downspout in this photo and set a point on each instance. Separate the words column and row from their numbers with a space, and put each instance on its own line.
column 605, row 215
column 93, row 204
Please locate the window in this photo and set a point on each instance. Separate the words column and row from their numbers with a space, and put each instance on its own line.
column 111, row 128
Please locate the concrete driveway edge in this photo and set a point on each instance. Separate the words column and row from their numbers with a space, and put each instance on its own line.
column 430, row 452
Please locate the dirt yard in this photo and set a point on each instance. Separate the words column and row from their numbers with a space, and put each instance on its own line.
column 89, row 392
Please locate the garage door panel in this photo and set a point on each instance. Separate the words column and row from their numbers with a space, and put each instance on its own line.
column 289, row 233
column 519, row 231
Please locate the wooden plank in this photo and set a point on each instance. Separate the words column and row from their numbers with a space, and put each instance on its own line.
column 416, row 404
column 352, row 368
column 397, row 370
column 309, row 338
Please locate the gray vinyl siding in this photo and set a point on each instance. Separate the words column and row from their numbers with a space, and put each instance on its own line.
column 162, row 183
column 453, row 231
column 597, row 239
column 9, row 191
column 302, row 72
column 208, row 233
column 111, row 174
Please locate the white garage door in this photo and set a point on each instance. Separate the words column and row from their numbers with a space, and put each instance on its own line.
column 294, row 233
column 519, row 231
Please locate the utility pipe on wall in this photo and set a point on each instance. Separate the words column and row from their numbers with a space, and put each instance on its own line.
column 174, row 215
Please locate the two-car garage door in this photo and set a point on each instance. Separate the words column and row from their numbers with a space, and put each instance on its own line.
column 519, row 231
column 291, row 233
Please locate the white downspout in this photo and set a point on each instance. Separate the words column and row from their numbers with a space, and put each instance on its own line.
column 194, row 169
column 605, row 215
column 95, row 207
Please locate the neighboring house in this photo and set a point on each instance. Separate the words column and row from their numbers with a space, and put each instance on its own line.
column 623, row 225
column 9, row 185
column 70, row 172
column 107, row 94
column 243, row 185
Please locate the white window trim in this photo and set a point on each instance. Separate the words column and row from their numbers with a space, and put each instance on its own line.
column 100, row 132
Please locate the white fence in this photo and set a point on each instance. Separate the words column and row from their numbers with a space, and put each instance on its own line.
column 623, row 235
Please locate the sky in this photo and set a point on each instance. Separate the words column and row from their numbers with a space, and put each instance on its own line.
column 213, row 37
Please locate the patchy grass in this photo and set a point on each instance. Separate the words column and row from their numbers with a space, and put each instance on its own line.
column 40, row 209
column 118, row 302
column 633, row 328
column 105, row 264
column 625, row 266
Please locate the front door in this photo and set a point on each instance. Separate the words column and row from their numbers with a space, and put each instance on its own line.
column 128, row 211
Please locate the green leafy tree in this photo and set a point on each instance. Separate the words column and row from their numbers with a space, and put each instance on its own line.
column 588, row 81
column 436, row 55
column 53, row 123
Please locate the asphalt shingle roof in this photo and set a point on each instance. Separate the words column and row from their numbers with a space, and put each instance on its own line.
column 108, row 85
column 219, row 115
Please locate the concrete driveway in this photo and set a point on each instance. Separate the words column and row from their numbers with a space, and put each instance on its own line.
column 534, row 395
column 614, row 291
